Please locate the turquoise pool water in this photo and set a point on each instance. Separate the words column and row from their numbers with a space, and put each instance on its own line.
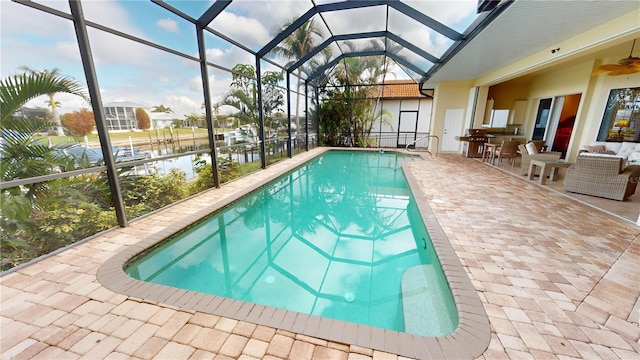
column 332, row 238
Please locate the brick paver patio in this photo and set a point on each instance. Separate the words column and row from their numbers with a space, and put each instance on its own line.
column 558, row 280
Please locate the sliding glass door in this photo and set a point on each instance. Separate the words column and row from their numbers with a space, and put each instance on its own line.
column 542, row 119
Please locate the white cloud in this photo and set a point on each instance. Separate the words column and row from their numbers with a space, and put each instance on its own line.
column 450, row 13
column 229, row 57
column 272, row 14
column 219, row 87
column 112, row 50
column 356, row 20
column 247, row 31
column 112, row 14
column 168, row 25
column 182, row 105
column 30, row 37
column 195, row 83
column 214, row 54
column 67, row 50
column 16, row 18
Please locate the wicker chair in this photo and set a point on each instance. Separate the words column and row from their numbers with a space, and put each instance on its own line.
column 602, row 176
column 507, row 150
column 526, row 158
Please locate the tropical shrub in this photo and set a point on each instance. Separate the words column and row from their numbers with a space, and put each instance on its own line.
column 69, row 210
column 227, row 170
column 152, row 192
column 331, row 124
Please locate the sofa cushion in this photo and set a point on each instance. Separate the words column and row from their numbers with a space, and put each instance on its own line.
column 627, row 148
column 615, row 146
column 633, row 158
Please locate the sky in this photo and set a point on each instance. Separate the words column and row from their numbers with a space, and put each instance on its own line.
column 128, row 71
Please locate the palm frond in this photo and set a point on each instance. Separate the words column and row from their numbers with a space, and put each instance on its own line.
column 16, row 90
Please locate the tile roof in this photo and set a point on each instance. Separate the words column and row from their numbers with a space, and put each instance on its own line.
column 401, row 89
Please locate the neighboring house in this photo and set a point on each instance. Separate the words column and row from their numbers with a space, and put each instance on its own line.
column 121, row 116
column 409, row 113
column 30, row 113
column 161, row 120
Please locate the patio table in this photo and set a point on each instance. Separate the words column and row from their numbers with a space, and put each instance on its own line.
column 547, row 168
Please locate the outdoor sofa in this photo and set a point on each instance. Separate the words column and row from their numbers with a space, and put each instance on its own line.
column 602, row 176
column 629, row 151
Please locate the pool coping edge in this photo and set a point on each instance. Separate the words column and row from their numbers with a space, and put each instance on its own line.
column 473, row 334
column 468, row 341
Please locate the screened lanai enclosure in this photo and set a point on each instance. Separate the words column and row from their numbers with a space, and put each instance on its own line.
column 113, row 109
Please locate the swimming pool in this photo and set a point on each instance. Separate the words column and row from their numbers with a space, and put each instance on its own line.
column 332, row 238
column 470, row 338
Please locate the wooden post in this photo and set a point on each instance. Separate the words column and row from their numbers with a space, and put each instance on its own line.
column 150, row 139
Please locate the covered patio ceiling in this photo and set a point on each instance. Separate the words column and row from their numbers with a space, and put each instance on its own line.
column 528, row 27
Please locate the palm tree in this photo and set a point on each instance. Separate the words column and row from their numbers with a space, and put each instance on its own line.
column 242, row 95
column 162, row 109
column 17, row 90
column 362, row 112
column 295, row 47
column 244, row 103
column 361, row 70
column 57, row 83
column 22, row 154
column 215, row 107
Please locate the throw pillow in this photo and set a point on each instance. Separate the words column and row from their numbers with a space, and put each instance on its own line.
column 594, row 148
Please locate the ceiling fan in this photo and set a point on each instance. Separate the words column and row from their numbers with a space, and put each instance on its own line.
column 624, row 66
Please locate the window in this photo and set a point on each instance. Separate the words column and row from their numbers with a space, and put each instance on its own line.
column 621, row 119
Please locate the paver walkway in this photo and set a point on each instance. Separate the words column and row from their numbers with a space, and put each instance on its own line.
column 557, row 279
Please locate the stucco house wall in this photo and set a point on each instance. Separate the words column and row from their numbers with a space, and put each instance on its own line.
column 402, row 95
